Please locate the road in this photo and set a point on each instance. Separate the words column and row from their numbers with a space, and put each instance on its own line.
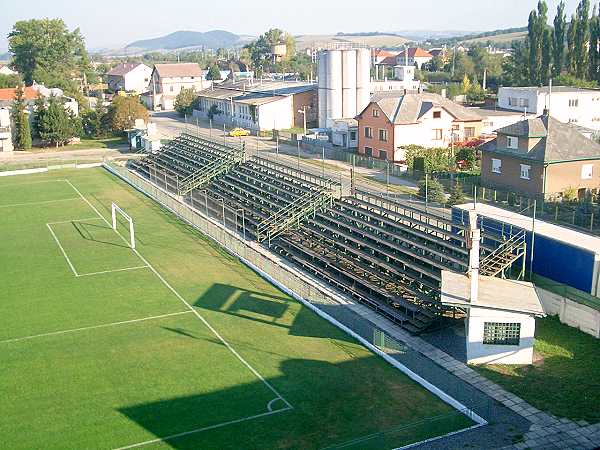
column 170, row 125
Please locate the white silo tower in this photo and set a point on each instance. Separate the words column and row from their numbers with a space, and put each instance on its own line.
column 363, row 79
column 349, row 75
column 334, row 85
column 322, row 83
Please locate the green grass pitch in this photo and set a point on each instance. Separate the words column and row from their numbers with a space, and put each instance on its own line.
column 176, row 346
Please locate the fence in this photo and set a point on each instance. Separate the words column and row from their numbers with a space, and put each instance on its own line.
column 52, row 162
column 223, row 225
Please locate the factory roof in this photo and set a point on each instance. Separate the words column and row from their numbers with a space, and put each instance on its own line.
column 558, row 233
column 494, row 294
column 558, row 141
column 555, row 89
column 256, row 92
column 404, row 109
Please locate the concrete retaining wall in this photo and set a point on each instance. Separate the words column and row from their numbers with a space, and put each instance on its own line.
column 571, row 313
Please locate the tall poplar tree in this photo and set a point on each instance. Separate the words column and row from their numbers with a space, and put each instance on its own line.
column 571, row 39
column 582, row 37
column 558, row 42
column 20, row 118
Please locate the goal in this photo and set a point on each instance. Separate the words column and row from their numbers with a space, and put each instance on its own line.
column 116, row 210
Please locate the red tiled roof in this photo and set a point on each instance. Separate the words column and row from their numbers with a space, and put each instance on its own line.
column 383, row 53
column 10, row 93
column 123, row 69
column 417, row 52
column 389, row 61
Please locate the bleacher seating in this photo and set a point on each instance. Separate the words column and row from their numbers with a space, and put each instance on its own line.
column 385, row 254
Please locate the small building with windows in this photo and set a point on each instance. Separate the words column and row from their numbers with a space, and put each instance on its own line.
column 541, row 157
column 167, row 80
column 394, row 120
column 567, row 104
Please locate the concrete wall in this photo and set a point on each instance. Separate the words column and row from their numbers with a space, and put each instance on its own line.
column 138, row 80
column 570, row 313
column 568, row 175
column 510, row 178
column 480, row 353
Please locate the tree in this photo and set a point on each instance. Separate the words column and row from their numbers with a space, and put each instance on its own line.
column 123, row 112
column 9, row 81
column 45, row 50
column 55, row 123
column 467, row 155
column 558, row 43
column 571, row 36
column 184, row 102
column 466, row 84
column 435, row 191
column 260, row 49
column 20, row 118
column 515, row 69
column 214, row 73
column 594, row 53
column 582, row 37
column 570, row 80
column 546, row 67
column 534, row 47
column 457, row 195
column 213, row 111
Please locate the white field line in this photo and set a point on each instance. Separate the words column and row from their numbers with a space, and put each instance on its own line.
column 39, row 203
column 32, row 182
column 190, row 307
column 62, row 250
column 198, row 430
column 93, row 327
column 111, row 271
column 88, row 219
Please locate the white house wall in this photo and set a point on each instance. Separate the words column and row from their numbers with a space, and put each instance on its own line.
column 423, row 133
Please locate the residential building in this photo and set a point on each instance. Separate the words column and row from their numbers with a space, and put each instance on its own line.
column 378, row 55
column 167, row 80
column 130, row 77
column 413, row 56
column 8, row 95
column 260, row 105
column 394, row 120
column 5, row 70
column 494, row 118
column 6, row 144
column 541, row 157
column 566, row 104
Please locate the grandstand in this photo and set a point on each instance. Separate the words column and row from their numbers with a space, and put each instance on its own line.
column 385, row 254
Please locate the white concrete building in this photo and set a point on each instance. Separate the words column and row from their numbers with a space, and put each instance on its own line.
column 500, row 324
column 496, row 118
column 566, row 104
column 168, row 80
column 344, row 133
column 264, row 105
column 5, row 70
column 414, row 56
column 130, row 77
column 6, row 144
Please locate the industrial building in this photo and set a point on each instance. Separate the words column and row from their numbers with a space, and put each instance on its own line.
column 259, row 104
column 344, row 83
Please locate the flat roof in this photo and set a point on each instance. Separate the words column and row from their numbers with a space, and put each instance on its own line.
column 550, row 230
column 485, row 111
column 555, row 89
column 494, row 294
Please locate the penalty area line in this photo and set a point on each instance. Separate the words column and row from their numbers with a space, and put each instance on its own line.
column 190, row 307
column 112, row 271
column 93, row 327
column 199, row 430
column 45, row 202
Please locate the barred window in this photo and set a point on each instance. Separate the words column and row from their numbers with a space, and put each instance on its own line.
column 495, row 333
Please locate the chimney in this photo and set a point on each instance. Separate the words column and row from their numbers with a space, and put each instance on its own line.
column 444, row 93
column 474, row 237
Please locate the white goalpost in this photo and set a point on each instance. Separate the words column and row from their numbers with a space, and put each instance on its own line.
column 116, row 210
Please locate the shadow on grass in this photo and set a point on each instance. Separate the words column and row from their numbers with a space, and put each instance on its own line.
column 83, row 229
column 332, row 404
column 564, row 378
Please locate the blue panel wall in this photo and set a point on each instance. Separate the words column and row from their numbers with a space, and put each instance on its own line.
column 558, row 261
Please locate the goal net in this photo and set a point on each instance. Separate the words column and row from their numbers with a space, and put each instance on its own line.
column 118, row 211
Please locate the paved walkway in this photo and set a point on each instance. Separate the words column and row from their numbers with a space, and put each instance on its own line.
column 539, row 430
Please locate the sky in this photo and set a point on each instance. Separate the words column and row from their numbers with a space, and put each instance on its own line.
column 115, row 23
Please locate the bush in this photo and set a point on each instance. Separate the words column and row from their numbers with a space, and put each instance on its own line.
column 467, row 155
column 185, row 100
column 435, row 191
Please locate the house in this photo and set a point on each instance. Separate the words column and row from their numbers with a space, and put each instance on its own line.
column 167, row 80
column 31, row 93
column 259, row 105
column 494, row 118
column 378, row 55
column 6, row 144
column 393, row 120
column 541, row 157
column 566, row 104
column 5, row 70
column 130, row 77
column 413, row 56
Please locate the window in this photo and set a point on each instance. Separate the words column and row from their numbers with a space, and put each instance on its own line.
column 353, row 135
column 368, row 132
column 438, row 134
column 437, row 114
column 495, row 333
column 375, row 113
column 383, row 154
column 525, row 171
column 587, row 171
column 496, row 165
column 524, row 102
column 574, row 103
column 512, row 142
column 455, row 127
column 383, row 135
column 469, row 132
column 368, row 151
column 513, row 101
column 573, row 121
column 171, row 88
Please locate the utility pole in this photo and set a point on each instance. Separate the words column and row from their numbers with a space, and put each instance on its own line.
column 303, row 112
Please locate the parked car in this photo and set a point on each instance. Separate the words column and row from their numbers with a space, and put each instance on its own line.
column 238, row 132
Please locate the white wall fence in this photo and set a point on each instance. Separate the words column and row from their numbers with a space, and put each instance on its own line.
column 571, row 313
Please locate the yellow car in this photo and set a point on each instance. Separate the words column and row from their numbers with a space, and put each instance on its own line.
column 238, row 132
